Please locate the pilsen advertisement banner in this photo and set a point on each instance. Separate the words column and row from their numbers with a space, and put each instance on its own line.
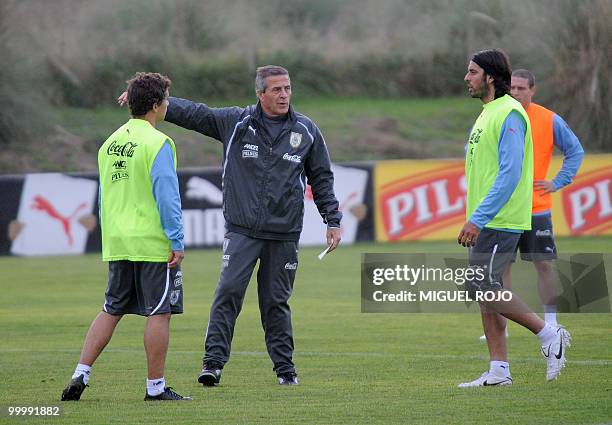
column 57, row 214
column 425, row 199
column 53, row 214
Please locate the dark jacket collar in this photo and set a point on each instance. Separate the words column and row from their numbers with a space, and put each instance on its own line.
column 258, row 113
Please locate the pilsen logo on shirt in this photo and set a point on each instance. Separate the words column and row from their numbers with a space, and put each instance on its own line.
column 295, row 139
column 250, row 151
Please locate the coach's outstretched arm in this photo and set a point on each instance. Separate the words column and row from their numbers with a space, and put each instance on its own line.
column 217, row 123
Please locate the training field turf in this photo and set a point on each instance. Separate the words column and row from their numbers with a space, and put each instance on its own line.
column 353, row 368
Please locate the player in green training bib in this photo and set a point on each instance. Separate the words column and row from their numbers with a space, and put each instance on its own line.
column 499, row 175
column 142, row 235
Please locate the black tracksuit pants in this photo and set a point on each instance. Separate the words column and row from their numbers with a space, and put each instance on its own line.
column 277, row 268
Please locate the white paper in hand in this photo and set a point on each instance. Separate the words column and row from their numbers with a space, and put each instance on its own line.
column 322, row 254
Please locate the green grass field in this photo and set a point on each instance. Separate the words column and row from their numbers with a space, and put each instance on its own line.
column 354, row 368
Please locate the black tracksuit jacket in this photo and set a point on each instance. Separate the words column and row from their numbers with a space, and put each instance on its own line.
column 264, row 180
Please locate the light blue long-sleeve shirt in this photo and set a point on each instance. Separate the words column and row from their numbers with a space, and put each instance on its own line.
column 567, row 142
column 511, row 149
column 167, row 197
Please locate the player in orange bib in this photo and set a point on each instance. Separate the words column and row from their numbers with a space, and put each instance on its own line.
column 548, row 130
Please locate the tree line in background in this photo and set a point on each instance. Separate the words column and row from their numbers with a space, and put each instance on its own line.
column 79, row 53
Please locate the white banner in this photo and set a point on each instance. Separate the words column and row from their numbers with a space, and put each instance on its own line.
column 54, row 216
column 349, row 186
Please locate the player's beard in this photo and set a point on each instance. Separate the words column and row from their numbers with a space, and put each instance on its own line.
column 483, row 90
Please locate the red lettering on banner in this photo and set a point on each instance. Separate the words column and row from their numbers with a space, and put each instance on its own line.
column 413, row 206
column 588, row 202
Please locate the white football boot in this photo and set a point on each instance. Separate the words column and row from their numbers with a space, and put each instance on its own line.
column 488, row 379
column 555, row 353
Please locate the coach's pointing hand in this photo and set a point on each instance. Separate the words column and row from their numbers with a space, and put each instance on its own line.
column 175, row 258
column 468, row 235
column 122, row 99
column 333, row 238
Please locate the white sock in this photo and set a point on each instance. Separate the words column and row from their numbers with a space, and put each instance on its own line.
column 156, row 386
column 550, row 314
column 547, row 334
column 498, row 368
column 82, row 369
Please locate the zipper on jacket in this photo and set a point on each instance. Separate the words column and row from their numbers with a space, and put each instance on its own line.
column 263, row 192
column 262, row 212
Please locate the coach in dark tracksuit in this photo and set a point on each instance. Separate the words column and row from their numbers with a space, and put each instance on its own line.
column 269, row 153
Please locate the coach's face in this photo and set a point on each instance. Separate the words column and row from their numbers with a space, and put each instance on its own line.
column 276, row 97
column 476, row 81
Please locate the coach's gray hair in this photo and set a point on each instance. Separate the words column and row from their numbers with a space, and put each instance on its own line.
column 523, row 73
column 264, row 72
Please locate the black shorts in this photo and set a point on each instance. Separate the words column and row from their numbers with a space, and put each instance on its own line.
column 538, row 244
column 143, row 288
column 493, row 251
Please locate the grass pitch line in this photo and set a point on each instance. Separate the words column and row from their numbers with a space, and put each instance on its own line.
column 587, row 362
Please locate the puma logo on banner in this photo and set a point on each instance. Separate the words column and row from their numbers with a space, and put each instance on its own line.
column 56, row 214
column 41, row 204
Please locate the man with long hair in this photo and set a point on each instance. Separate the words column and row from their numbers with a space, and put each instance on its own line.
column 499, row 176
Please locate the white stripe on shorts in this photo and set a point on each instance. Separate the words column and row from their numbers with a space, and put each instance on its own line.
column 163, row 298
column 491, row 264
